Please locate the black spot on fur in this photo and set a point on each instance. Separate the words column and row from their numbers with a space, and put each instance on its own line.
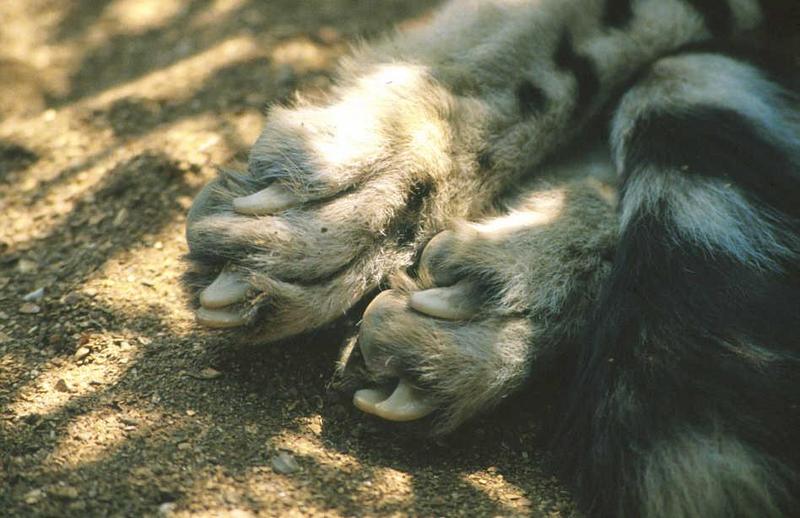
column 406, row 226
column 717, row 16
column 581, row 67
column 485, row 160
column 531, row 98
column 618, row 13
column 717, row 142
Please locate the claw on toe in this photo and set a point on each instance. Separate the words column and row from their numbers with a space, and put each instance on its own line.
column 267, row 201
column 405, row 403
column 219, row 318
column 228, row 288
column 455, row 302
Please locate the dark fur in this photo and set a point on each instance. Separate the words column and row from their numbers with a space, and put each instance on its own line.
column 685, row 400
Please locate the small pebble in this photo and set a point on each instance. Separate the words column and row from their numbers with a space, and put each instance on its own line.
column 71, row 298
column 206, row 374
column 33, row 496
column 27, row 266
column 142, row 472
column 61, row 385
column 284, row 463
column 82, row 353
column 167, row 508
column 65, row 492
column 129, row 421
column 29, row 308
column 35, row 295
column 120, row 218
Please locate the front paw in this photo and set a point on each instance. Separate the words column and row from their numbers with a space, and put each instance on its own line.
column 334, row 199
column 281, row 265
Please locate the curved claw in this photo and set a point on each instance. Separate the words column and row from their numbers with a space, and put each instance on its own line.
column 228, row 288
column 219, row 318
column 267, row 201
column 406, row 403
column 456, row 302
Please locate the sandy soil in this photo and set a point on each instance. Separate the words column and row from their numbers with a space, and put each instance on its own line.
column 113, row 113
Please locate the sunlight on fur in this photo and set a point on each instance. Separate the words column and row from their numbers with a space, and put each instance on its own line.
column 357, row 119
column 546, row 209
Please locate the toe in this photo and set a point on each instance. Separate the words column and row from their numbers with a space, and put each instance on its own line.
column 376, row 317
column 434, row 259
column 457, row 302
column 440, row 258
column 228, row 288
column 292, row 308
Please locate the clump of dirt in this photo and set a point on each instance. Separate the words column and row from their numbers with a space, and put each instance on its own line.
column 112, row 401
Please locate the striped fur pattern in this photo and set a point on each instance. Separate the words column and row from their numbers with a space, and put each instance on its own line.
column 651, row 273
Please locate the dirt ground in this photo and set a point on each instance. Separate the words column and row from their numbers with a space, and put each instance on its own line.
column 113, row 114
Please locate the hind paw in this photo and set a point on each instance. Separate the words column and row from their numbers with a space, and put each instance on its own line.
column 490, row 303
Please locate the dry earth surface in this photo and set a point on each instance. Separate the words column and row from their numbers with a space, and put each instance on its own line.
column 113, row 113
